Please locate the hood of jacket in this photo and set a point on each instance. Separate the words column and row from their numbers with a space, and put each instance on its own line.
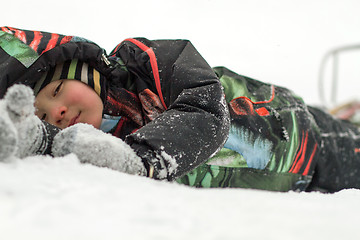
column 26, row 55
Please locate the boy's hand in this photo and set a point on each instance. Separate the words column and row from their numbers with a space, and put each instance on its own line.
column 8, row 134
column 19, row 102
column 31, row 136
column 98, row 148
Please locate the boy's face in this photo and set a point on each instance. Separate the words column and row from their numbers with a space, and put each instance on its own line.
column 66, row 102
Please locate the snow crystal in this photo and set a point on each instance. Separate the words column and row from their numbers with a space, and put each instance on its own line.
column 171, row 162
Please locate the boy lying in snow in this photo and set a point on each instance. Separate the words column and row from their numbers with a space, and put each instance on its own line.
column 172, row 115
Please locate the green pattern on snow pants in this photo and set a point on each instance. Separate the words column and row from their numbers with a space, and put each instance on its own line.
column 272, row 144
column 208, row 176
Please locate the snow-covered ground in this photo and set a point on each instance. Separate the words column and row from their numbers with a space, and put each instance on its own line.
column 279, row 41
column 45, row 198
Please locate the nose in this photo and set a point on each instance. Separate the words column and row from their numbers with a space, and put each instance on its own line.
column 58, row 115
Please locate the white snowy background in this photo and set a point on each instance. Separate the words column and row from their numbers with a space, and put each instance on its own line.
column 280, row 41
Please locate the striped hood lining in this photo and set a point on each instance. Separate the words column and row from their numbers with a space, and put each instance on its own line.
column 73, row 70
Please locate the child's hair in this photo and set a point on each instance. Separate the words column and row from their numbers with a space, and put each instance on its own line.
column 73, row 70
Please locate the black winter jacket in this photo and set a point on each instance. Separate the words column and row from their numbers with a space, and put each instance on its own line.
column 194, row 121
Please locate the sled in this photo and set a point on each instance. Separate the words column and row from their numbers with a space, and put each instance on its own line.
column 349, row 110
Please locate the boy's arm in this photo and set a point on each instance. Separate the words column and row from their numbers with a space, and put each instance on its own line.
column 196, row 122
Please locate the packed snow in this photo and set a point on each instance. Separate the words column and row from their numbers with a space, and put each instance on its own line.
column 47, row 198
column 275, row 41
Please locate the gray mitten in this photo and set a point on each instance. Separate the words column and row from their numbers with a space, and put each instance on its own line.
column 31, row 132
column 98, row 148
column 8, row 134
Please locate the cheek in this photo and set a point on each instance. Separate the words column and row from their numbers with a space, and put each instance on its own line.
column 75, row 97
column 94, row 113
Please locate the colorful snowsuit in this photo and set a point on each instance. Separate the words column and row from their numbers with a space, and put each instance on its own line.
column 273, row 143
column 171, row 107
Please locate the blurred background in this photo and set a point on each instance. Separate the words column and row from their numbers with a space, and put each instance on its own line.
column 281, row 42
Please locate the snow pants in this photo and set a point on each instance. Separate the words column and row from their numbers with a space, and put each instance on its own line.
column 338, row 165
column 278, row 143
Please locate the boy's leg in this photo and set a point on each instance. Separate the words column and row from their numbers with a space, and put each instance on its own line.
column 338, row 166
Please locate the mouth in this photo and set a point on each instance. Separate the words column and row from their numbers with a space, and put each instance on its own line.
column 74, row 120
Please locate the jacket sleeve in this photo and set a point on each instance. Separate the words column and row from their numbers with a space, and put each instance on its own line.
column 196, row 122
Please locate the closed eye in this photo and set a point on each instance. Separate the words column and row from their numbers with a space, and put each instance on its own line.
column 57, row 89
